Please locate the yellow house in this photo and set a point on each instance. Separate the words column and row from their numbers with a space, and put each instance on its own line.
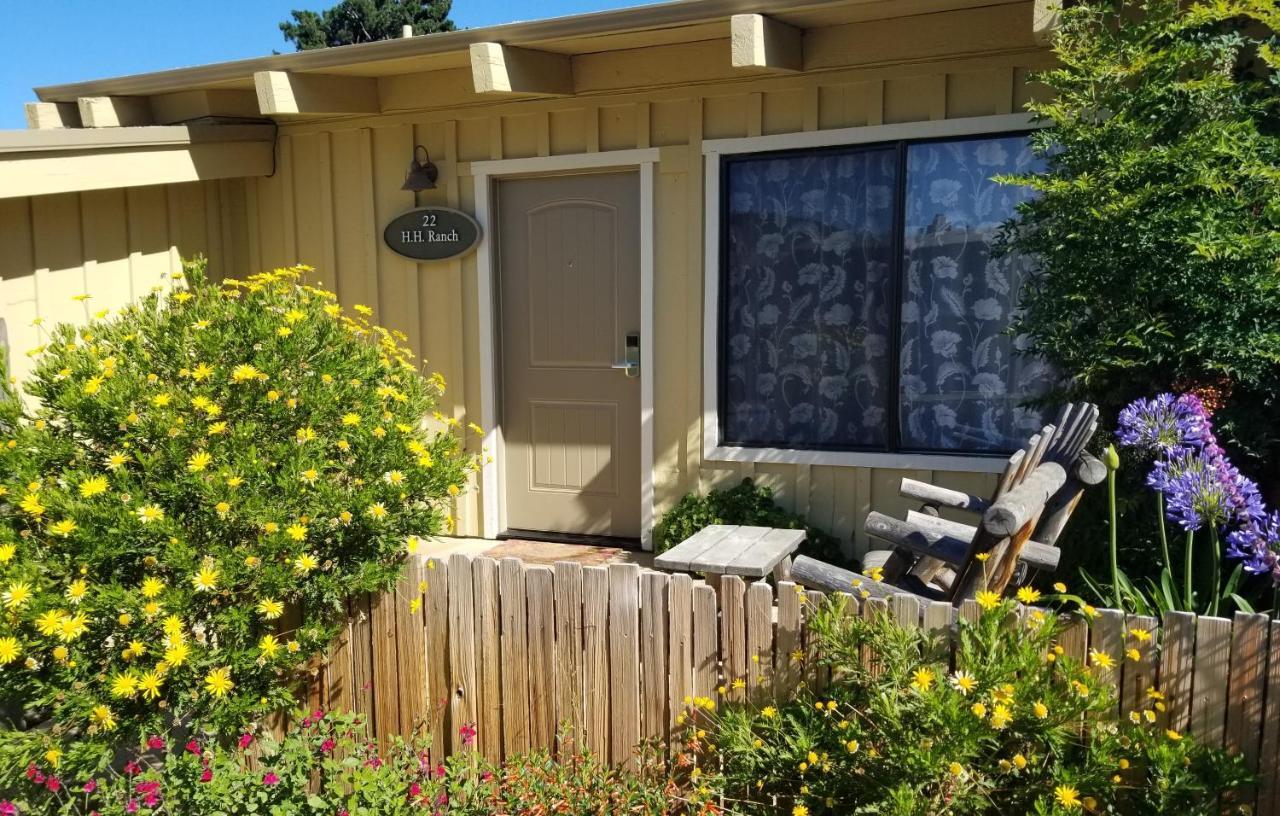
column 715, row 239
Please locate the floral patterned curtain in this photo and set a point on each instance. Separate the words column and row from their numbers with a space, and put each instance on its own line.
column 806, row 301
column 961, row 379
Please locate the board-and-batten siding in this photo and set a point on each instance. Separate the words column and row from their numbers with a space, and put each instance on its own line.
column 114, row 245
column 338, row 182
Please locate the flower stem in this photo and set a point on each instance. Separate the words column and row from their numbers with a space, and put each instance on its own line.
column 1215, row 575
column 1115, row 561
column 1189, row 597
column 1164, row 535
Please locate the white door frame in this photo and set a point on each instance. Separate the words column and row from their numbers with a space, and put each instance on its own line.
column 484, row 173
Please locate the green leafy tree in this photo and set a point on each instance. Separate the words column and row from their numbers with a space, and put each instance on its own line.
column 1158, row 219
column 361, row 21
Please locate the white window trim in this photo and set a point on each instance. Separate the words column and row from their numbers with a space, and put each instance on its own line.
column 712, row 150
column 484, row 173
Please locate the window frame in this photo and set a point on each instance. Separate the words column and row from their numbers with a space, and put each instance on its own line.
column 717, row 154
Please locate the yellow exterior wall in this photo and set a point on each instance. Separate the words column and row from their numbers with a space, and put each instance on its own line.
column 114, row 245
column 337, row 183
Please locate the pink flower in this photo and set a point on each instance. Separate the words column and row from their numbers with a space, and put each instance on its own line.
column 245, row 741
column 269, row 779
column 468, row 734
column 193, row 747
column 91, row 786
column 327, row 746
column 155, row 744
column 53, row 783
column 131, row 806
column 132, row 768
column 415, row 790
column 207, row 776
column 8, row 808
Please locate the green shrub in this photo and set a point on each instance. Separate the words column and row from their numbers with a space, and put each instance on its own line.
column 327, row 766
column 199, row 483
column 1002, row 734
column 746, row 503
column 1157, row 222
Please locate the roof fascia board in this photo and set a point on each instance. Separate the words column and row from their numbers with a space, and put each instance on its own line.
column 44, row 141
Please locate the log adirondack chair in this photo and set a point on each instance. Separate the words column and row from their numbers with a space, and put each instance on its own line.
column 1017, row 533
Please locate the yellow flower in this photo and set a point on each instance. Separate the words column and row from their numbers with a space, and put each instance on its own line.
column 73, row 626
column 393, row 477
column 270, row 609
column 202, row 371
column 304, row 563
column 297, row 532
column 1028, row 595
column 1067, row 796
column 218, row 682
column 206, row 578
column 769, row 712
column 216, row 428
column 1089, row 611
column 1040, row 709
column 124, row 619
column 31, row 505
column 1141, row 635
column 76, row 590
column 103, row 718
column 10, row 649
column 199, row 461
column 53, row 756
column 1001, row 716
column 876, row 573
column 377, row 511
column 1059, row 587
column 922, row 679
column 345, row 516
column 50, row 623
column 350, row 419
column 1019, row 761
column 18, row 593
column 124, row 685
column 988, row 599
column 63, row 528
column 7, row 552
column 93, row 486
column 244, row 373
column 292, row 647
column 363, row 309
column 852, row 746
column 151, row 609
column 284, row 331
column 161, row 400
column 177, row 654
column 152, row 586
column 310, row 475
column 269, row 646
column 956, row 769
column 294, row 315
column 222, row 508
column 963, row 682
column 149, row 513
column 305, row 434
column 979, row 710
column 1133, row 654
column 149, row 684
column 116, row 460
column 1102, row 659
column 983, row 556
column 1149, row 715
column 136, row 648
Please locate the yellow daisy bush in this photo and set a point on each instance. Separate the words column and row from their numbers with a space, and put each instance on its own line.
column 996, row 730
column 177, row 489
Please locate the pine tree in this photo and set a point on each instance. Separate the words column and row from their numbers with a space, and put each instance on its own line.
column 360, row 21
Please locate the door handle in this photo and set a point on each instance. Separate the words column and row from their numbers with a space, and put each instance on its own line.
column 630, row 364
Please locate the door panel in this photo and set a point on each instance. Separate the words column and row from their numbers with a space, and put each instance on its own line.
column 569, row 270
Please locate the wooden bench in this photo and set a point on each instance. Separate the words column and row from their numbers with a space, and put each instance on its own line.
column 730, row 549
column 1018, row 531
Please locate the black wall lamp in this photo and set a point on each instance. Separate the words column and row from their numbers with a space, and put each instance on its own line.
column 422, row 175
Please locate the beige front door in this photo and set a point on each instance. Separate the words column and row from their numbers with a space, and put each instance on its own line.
column 569, row 266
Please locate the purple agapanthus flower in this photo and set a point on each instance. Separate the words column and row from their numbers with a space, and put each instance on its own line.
column 1257, row 546
column 1166, row 425
column 1194, row 492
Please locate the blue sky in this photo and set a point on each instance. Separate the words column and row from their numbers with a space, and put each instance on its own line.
column 53, row 41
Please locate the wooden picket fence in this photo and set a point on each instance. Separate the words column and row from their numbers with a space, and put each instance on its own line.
column 610, row 654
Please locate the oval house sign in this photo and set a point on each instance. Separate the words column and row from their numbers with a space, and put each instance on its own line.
column 432, row 234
